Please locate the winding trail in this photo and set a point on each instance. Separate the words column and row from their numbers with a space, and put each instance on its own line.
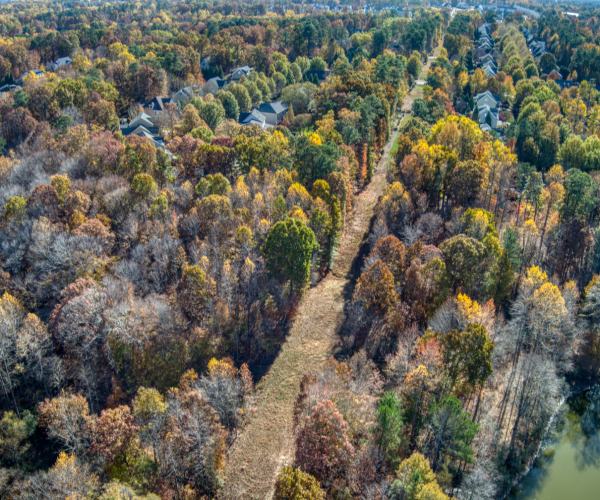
column 266, row 444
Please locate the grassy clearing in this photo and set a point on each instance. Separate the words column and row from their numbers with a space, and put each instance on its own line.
column 394, row 147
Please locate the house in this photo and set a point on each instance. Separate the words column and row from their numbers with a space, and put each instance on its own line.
column 255, row 117
column 205, row 63
column 486, row 46
column 36, row 72
column 143, row 125
column 156, row 106
column 215, row 84
column 140, row 125
column 185, row 95
column 488, row 70
column 488, row 60
column 274, row 112
column 62, row 61
column 537, row 48
column 319, row 74
column 8, row 89
column 142, row 119
column 238, row 73
column 158, row 142
column 148, row 132
column 488, row 116
column 487, row 99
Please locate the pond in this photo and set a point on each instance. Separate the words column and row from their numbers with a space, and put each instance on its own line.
column 569, row 464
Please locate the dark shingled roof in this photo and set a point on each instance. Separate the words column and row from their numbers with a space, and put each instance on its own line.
column 273, row 107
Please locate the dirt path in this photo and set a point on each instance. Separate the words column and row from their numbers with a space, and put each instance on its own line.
column 267, row 443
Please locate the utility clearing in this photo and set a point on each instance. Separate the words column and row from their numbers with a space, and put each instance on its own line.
column 267, row 442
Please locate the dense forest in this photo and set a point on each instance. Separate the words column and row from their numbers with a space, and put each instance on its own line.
column 174, row 177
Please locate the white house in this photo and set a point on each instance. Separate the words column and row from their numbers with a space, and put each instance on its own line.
column 273, row 111
column 205, row 63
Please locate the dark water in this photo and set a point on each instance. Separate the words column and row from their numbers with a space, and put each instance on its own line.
column 569, row 466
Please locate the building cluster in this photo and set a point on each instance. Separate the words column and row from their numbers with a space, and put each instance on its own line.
column 146, row 123
column 536, row 47
column 11, row 86
column 500, row 10
column 267, row 114
column 486, row 105
column 485, row 46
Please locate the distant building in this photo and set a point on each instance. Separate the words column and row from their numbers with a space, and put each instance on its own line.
column 488, row 60
column 185, row 95
column 489, row 70
column 143, row 125
column 142, row 119
column 215, row 84
column 7, row 89
column 63, row 61
column 486, row 111
column 238, row 73
column 274, row 112
column 487, row 99
column 205, row 63
column 36, row 72
column 537, row 48
column 487, row 104
column 255, row 117
column 155, row 107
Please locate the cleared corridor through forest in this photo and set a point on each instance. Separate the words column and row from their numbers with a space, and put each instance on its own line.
column 266, row 444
